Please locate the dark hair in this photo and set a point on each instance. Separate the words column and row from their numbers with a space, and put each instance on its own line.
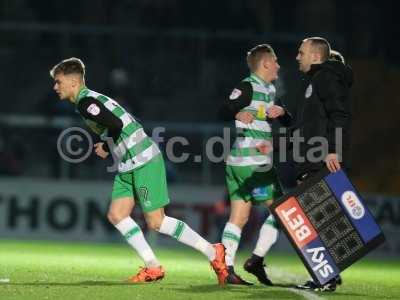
column 335, row 55
column 255, row 54
column 71, row 65
column 321, row 45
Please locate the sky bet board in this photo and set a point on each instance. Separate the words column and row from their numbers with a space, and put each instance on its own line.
column 328, row 223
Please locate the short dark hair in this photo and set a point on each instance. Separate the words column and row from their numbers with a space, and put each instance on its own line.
column 255, row 54
column 71, row 65
column 321, row 45
column 335, row 55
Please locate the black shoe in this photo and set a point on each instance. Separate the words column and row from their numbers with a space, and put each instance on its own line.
column 257, row 269
column 330, row 286
column 234, row 278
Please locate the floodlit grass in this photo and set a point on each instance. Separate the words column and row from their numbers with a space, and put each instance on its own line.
column 61, row 270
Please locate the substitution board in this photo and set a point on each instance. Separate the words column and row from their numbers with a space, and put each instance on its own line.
column 328, row 224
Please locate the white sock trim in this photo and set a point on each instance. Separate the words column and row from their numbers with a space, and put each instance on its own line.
column 149, row 257
column 202, row 245
column 233, row 228
column 183, row 233
column 267, row 238
column 168, row 225
column 125, row 225
column 231, row 239
column 135, row 238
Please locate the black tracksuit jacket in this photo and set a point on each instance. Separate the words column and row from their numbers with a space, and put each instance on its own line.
column 326, row 107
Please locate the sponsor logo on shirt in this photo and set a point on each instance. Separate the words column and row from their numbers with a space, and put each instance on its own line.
column 93, row 109
column 235, row 94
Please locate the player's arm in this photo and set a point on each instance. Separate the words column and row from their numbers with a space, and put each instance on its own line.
column 94, row 110
column 285, row 118
column 239, row 99
column 333, row 93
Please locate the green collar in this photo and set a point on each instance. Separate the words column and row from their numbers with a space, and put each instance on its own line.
column 259, row 80
column 82, row 94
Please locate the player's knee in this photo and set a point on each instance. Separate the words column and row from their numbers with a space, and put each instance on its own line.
column 114, row 217
column 269, row 202
column 242, row 222
column 239, row 221
column 154, row 219
column 154, row 223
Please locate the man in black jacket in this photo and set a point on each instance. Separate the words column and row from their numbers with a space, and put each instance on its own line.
column 323, row 134
column 325, row 117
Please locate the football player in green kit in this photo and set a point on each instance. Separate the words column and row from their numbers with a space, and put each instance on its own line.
column 141, row 173
column 250, row 176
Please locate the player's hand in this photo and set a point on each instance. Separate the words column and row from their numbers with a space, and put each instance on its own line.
column 275, row 111
column 264, row 148
column 332, row 162
column 245, row 117
column 98, row 148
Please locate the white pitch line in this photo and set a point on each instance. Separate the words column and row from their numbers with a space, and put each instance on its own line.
column 306, row 294
column 291, row 277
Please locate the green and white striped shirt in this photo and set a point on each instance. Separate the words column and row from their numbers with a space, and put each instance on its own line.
column 244, row 151
column 133, row 147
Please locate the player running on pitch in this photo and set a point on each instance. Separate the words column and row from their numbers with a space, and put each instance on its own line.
column 250, row 177
column 141, row 178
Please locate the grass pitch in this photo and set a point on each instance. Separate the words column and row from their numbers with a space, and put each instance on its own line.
column 50, row 270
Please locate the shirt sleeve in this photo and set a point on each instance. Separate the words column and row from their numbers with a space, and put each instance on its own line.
column 94, row 110
column 239, row 98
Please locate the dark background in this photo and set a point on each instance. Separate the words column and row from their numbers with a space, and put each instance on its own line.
column 172, row 63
